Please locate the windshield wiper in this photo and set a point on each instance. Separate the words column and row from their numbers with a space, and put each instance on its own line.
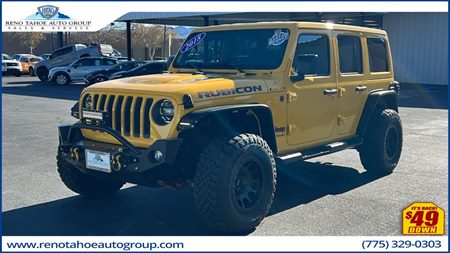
column 239, row 68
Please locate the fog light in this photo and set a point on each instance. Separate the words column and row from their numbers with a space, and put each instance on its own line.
column 158, row 155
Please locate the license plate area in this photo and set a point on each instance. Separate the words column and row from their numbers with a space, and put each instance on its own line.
column 99, row 161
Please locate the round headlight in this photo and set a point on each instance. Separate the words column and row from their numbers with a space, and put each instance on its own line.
column 87, row 104
column 163, row 112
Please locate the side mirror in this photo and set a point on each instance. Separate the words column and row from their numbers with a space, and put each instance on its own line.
column 297, row 78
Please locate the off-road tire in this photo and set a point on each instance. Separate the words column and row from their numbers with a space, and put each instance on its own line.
column 378, row 153
column 85, row 184
column 42, row 73
column 216, row 183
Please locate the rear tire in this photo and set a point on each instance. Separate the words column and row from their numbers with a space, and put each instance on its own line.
column 42, row 74
column 383, row 142
column 85, row 184
column 234, row 184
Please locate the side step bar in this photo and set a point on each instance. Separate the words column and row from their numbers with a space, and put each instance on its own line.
column 320, row 151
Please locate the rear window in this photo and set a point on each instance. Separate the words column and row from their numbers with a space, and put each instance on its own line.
column 378, row 60
column 350, row 56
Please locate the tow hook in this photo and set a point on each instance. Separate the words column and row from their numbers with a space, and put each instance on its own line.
column 74, row 153
column 117, row 164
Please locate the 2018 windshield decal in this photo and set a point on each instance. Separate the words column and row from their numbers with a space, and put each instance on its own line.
column 192, row 42
column 278, row 38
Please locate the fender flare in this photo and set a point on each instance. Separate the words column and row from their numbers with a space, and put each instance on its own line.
column 388, row 98
column 262, row 113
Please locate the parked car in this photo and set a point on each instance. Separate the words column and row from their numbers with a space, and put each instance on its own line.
column 122, row 58
column 17, row 56
column 68, row 54
column 10, row 66
column 103, row 75
column 45, row 56
column 28, row 62
column 154, row 67
column 79, row 69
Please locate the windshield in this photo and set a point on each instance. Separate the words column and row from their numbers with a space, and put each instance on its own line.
column 233, row 49
column 6, row 57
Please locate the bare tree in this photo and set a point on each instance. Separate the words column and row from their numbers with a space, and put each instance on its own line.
column 107, row 35
column 148, row 36
column 29, row 39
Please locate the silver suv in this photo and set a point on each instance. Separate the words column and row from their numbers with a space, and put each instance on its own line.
column 66, row 55
column 79, row 69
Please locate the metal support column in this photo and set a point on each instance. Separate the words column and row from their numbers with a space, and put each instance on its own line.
column 129, row 40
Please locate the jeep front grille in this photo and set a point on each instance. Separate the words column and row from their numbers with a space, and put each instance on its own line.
column 130, row 115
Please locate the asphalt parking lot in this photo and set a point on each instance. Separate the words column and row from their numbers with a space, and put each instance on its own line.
column 326, row 196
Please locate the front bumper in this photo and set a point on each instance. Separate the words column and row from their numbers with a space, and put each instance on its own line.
column 128, row 163
column 12, row 71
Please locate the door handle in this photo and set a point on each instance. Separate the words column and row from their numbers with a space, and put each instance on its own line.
column 360, row 88
column 329, row 92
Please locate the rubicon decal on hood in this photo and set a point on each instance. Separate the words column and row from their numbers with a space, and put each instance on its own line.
column 227, row 92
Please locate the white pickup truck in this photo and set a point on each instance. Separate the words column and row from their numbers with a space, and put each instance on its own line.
column 68, row 54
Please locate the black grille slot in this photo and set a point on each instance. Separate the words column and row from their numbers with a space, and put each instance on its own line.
column 102, row 103
column 148, row 104
column 118, row 113
column 109, row 107
column 137, row 117
column 94, row 101
column 127, row 115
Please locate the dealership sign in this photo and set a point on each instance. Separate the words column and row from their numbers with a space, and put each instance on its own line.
column 47, row 19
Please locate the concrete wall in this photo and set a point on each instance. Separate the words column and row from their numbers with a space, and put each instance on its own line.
column 419, row 43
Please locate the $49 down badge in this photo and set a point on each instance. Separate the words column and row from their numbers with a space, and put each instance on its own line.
column 423, row 218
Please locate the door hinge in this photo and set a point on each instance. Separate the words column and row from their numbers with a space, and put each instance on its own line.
column 291, row 129
column 341, row 92
column 291, row 97
column 341, row 120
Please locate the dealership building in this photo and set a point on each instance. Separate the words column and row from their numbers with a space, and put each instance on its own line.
column 419, row 41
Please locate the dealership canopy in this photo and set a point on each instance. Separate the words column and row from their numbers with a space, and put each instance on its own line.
column 368, row 19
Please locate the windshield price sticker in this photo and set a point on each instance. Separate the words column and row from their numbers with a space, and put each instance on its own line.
column 423, row 218
column 192, row 42
column 278, row 38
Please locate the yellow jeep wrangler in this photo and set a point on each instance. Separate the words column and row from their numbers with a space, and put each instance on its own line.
column 236, row 100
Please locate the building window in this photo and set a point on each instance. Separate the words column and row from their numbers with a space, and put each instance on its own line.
column 312, row 56
column 350, row 56
column 377, row 55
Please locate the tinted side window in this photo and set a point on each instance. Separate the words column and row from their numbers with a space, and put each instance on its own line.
column 350, row 56
column 312, row 56
column 377, row 55
column 96, row 62
column 23, row 59
column 84, row 62
column 62, row 51
column 108, row 62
